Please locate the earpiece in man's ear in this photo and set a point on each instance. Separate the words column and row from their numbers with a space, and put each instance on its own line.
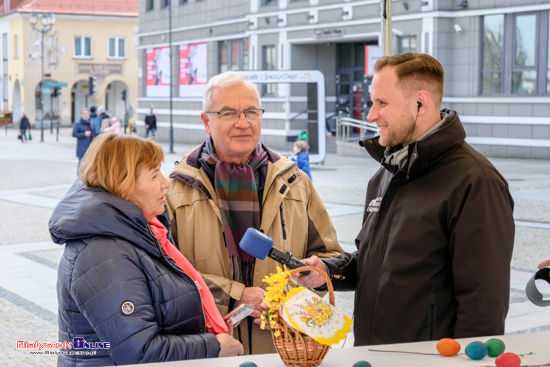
column 419, row 105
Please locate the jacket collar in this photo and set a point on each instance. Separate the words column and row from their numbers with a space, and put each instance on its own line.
column 192, row 159
column 438, row 142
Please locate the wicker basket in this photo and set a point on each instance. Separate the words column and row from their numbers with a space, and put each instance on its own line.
column 296, row 348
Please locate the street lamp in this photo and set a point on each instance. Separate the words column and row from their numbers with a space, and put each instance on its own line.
column 48, row 20
column 171, row 74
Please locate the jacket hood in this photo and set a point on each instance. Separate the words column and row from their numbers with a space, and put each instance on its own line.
column 88, row 211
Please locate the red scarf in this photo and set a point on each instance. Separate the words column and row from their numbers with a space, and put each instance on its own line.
column 214, row 321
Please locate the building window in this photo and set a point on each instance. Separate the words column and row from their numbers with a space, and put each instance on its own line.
column 164, row 3
column 516, row 54
column 548, row 61
column 234, row 55
column 492, row 54
column 5, row 46
column 182, row 2
column 524, row 74
column 269, row 62
column 150, row 5
column 16, row 46
column 270, row 2
column 117, row 48
column 406, row 44
column 82, row 46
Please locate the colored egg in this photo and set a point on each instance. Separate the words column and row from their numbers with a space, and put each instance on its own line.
column 248, row 364
column 362, row 364
column 448, row 347
column 476, row 350
column 508, row 360
column 495, row 347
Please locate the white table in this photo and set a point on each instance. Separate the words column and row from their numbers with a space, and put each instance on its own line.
column 534, row 350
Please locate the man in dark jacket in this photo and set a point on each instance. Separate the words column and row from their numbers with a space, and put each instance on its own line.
column 433, row 254
column 24, row 124
column 150, row 123
column 84, row 132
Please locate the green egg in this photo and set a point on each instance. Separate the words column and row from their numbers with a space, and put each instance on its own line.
column 495, row 347
column 248, row 364
column 476, row 350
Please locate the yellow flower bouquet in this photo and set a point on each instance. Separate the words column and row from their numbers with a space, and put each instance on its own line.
column 303, row 326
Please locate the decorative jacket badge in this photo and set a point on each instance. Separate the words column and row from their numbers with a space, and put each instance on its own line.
column 127, row 308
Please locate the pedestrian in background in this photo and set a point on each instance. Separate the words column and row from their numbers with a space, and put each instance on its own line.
column 150, row 123
column 114, row 128
column 105, row 119
column 84, row 132
column 95, row 120
column 24, row 124
column 301, row 156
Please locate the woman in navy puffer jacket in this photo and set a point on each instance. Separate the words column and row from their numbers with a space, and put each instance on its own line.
column 122, row 300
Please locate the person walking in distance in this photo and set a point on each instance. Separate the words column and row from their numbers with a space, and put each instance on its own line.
column 24, row 124
column 150, row 123
column 84, row 132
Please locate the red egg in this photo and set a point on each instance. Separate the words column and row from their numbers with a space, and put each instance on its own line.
column 508, row 360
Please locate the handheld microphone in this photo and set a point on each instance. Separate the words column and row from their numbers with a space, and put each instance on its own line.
column 259, row 245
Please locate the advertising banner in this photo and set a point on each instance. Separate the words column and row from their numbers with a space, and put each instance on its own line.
column 158, row 72
column 193, row 76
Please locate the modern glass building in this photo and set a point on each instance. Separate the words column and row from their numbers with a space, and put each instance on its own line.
column 496, row 54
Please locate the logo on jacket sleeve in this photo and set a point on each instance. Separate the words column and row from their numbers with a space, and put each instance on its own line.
column 374, row 205
column 127, row 308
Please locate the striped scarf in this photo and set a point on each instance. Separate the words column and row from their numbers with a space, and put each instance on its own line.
column 236, row 187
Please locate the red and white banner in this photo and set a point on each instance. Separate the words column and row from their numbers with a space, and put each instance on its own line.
column 158, row 72
column 193, row 75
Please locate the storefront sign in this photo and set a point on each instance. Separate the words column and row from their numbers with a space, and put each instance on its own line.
column 100, row 71
column 328, row 32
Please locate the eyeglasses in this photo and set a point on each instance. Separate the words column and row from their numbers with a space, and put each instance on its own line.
column 232, row 116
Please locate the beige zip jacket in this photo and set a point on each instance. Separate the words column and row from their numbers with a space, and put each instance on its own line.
column 293, row 215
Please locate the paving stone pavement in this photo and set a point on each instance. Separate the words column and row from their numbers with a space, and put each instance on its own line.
column 33, row 177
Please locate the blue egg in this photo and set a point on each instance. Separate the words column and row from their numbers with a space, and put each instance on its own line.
column 362, row 364
column 476, row 350
column 248, row 364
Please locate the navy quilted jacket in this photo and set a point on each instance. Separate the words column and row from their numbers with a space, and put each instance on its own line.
column 116, row 286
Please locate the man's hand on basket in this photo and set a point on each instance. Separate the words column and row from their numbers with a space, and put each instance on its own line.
column 313, row 280
column 254, row 296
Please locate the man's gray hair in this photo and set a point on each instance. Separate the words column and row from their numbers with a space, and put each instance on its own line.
column 224, row 80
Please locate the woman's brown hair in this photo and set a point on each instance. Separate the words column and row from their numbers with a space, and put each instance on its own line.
column 112, row 162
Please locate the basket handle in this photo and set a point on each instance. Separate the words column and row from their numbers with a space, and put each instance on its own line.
column 327, row 279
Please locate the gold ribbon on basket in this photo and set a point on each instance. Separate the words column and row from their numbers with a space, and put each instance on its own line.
column 303, row 326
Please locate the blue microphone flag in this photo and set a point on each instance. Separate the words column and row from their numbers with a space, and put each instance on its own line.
column 256, row 243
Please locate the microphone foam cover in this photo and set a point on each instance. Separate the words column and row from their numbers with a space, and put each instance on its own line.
column 256, row 243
